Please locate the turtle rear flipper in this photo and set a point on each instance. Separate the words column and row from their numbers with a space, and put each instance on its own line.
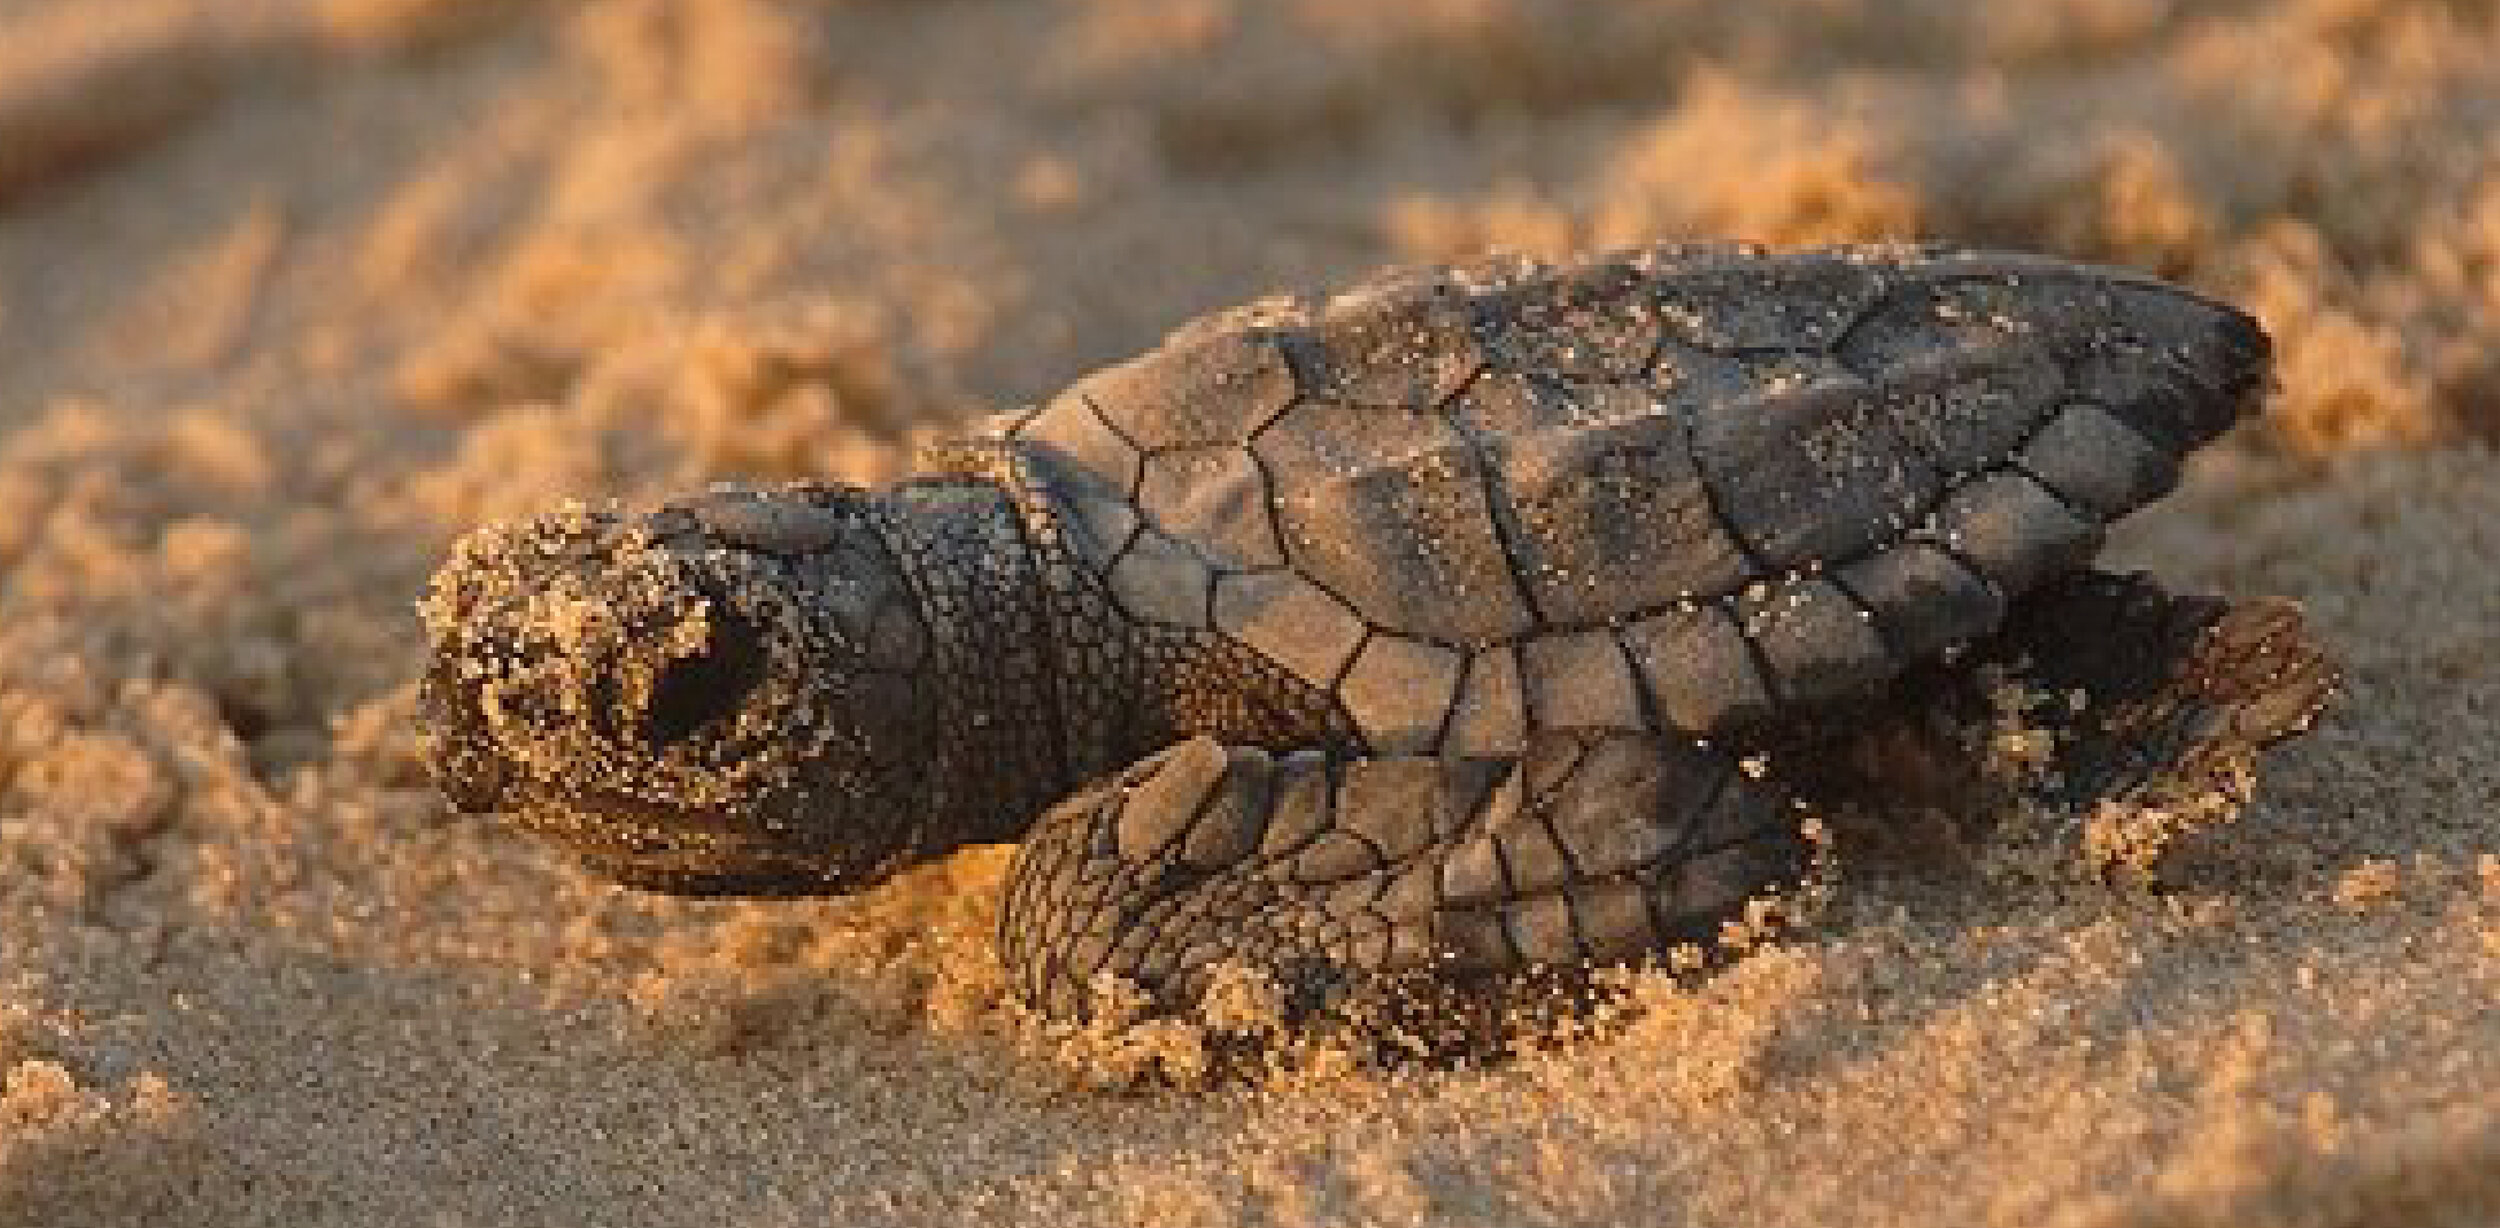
column 2162, row 694
column 2103, row 701
column 2104, row 705
column 2157, row 705
column 1342, row 883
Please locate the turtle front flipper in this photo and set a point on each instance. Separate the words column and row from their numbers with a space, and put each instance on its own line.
column 1334, row 877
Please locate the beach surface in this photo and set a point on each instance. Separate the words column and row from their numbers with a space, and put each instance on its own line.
column 294, row 292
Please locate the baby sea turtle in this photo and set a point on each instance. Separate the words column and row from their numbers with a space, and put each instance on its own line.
column 1476, row 620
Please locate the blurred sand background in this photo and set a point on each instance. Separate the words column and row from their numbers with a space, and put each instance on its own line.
column 293, row 291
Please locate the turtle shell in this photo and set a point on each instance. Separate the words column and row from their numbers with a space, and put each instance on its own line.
column 1682, row 488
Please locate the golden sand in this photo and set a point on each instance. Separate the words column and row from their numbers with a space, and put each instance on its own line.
column 293, row 291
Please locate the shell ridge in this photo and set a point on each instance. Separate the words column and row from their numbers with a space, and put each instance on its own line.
column 1866, row 610
column 1713, row 499
column 1458, row 694
column 1651, row 717
column 1137, row 472
column 2017, row 466
column 1500, row 508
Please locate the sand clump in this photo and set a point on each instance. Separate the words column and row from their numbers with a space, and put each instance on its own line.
column 294, row 291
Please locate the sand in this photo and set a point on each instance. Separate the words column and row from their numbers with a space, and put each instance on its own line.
column 294, row 291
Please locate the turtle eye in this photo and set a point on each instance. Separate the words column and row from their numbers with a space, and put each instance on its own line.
column 705, row 687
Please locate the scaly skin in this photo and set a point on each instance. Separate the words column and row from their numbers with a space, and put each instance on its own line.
column 800, row 691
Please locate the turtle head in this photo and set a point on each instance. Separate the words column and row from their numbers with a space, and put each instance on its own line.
column 721, row 696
